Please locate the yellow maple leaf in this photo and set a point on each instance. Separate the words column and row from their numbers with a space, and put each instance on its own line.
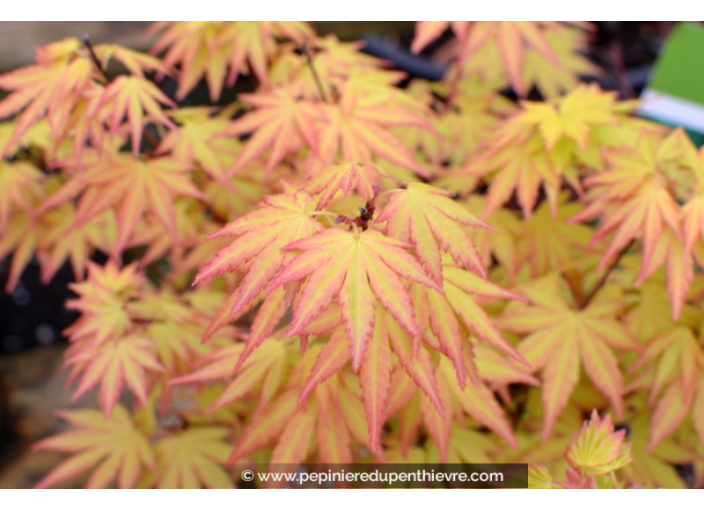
column 597, row 449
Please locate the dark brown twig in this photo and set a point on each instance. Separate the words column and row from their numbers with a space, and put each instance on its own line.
column 96, row 61
column 605, row 276
column 316, row 78
column 150, row 139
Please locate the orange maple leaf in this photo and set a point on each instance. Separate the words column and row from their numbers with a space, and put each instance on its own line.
column 324, row 425
column 354, row 267
column 130, row 187
column 281, row 123
column 431, row 222
column 261, row 235
column 131, row 97
column 52, row 88
column 207, row 48
column 635, row 201
column 356, row 127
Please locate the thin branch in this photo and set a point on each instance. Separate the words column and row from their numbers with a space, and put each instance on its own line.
column 150, row 139
column 605, row 276
column 316, row 78
column 96, row 61
column 574, row 283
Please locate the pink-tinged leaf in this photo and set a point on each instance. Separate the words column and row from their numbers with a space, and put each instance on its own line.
column 478, row 401
column 426, row 32
column 332, row 357
column 270, row 313
column 428, row 219
column 602, row 367
column 266, row 425
column 478, row 321
column 444, row 324
column 669, row 413
column 355, row 267
column 560, row 376
column 281, row 123
column 439, row 427
column 419, row 367
column 375, row 379
column 295, row 440
column 333, row 438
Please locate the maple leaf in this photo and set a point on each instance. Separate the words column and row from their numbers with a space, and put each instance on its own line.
column 19, row 182
column 135, row 62
column 111, row 448
column 356, row 127
column 635, row 202
column 545, row 144
column 648, row 312
column 426, row 218
column 193, row 141
column 131, row 97
column 60, row 241
column 672, row 409
column 336, row 64
column 258, row 248
column 251, row 41
column 502, row 243
column 21, row 229
column 375, row 373
column 375, row 380
column 192, row 46
column 129, row 187
column 574, row 480
column 675, row 354
column 512, row 37
column 567, row 45
column 573, row 117
column 324, row 425
column 469, row 446
column 440, row 318
column 101, row 302
column 193, row 458
column 207, row 48
column 693, row 209
column 176, row 345
column 281, row 123
column 551, row 242
column 354, row 267
column 562, row 337
column 513, row 42
column 476, row 400
column 427, row 31
column 348, row 177
column 463, row 289
column 470, row 110
column 654, row 468
column 52, row 88
column 597, row 449
column 673, row 361
column 539, row 477
column 113, row 364
column 266, row 367
column 20, row 237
